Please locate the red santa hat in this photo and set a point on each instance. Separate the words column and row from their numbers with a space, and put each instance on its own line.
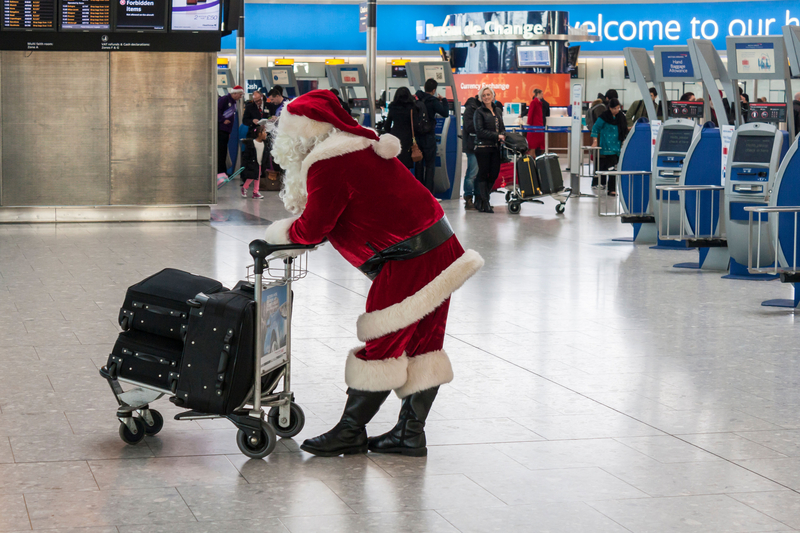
column 237, row 89
column 317, row 112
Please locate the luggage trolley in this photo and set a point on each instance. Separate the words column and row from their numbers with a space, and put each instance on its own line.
column 516, row 146
column 257, row 437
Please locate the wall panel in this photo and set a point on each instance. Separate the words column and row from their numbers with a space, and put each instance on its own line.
column 161, row 128
column 54, row 128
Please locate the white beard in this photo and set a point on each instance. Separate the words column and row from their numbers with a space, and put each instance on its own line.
column 290, row 153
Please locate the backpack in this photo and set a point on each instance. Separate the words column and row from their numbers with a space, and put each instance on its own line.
column 425, row 124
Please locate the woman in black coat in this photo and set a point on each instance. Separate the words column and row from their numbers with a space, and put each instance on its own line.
column 489, row 134
column 255, row 158
column 398, row 122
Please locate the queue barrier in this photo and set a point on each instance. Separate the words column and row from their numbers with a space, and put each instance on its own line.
column 686, row 230
column 775, row 265
column 618, row 208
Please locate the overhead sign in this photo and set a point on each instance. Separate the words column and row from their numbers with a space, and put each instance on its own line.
column 615, row 25
column 142, row 15
column 195, row 15
column 29, row 14
column 362, row 17
column 460, row 28
column 755, row 58
column 676, row 65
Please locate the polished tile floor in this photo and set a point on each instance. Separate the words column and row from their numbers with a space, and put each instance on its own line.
column 597, row 389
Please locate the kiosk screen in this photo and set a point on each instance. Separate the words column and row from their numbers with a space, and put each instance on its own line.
column 86, row 14
column 29, row 14
column 195, row 15
column 676, row 140
column 533, row 56
column 399, row 71
column 752, row 149
column 142, row 15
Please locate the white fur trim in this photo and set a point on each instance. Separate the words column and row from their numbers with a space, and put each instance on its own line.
column 388, row 146
column 339, row 143
column 278, row 231
column 425, row 372
column 381, row 375
column 400, row 315
column 299, row 126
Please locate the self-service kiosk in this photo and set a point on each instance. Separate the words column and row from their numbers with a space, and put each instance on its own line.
column 282, row 75
column 675, row 136
column 753, row 159
column 635, row 156
column 351, row 82
column 756, row 151
column 224, row 80
column 447, row 179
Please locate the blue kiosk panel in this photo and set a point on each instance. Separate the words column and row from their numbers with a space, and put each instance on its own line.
column 636, row 194
column 704, row 168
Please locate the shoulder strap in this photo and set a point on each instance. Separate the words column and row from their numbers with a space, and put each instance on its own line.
column 412, row 124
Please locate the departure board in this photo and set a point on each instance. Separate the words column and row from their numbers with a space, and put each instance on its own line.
column 29, row 14
column 86, row 14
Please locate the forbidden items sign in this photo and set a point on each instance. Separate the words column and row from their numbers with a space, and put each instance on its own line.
column 350, row 76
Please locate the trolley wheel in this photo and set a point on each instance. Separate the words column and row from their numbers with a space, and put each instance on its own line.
column 297, row 419
column 560, row 208
column 514, row 207
column 158, row 423
column 125, row 324
column 508, row 196
column 128, row 437
column 266, row 442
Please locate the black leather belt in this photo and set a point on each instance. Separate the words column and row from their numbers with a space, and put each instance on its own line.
column 410, row 248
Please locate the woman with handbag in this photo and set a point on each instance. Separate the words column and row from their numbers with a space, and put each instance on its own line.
column 400, row 122
column 489, row 135
column 254, row 159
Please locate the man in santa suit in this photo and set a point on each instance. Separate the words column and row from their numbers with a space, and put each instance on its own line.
column 347, row 186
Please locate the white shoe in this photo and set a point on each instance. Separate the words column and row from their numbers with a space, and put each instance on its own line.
column 244, row 192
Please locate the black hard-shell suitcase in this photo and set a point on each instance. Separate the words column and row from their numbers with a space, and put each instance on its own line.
column 549, row 170
column 147, row 359
column 158, row 304
column 527, row 178
column 218, row 358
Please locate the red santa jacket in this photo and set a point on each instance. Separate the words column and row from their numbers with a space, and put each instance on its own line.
column 360, row 195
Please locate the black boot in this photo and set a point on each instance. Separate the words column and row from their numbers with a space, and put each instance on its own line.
column 408, row 436
column 350, row 434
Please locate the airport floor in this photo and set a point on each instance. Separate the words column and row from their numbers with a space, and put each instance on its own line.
column 597, row 389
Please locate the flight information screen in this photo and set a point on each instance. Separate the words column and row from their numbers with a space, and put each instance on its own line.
column 29, row 14
column 751, row 149
column 86, row 14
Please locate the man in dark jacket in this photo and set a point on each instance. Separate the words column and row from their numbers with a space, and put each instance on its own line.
column 254, row 111
column 425, row 169
column 468, row 141
column 226, row 115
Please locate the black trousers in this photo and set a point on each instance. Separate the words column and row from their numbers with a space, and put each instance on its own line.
column 607, row 162
column 222, row 151
column 488, row 170
column 424, row 170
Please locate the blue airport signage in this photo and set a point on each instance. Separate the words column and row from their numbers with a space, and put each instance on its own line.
column 676, row 65
column 335, row 27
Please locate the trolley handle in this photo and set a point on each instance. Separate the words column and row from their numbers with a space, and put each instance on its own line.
column 261, row 249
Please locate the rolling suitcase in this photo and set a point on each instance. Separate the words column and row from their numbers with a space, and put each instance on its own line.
column 527, row 178
column 217, row 369
column 147, row 359
column 549, row 170
column 157, row 304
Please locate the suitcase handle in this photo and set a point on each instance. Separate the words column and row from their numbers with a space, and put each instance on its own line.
column 150, row 358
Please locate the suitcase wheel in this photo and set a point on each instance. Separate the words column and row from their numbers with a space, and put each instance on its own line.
column 125, row 323
column 560, row 208
column 297, row 419
column 257, row 446
column 514, row 207
column 130, row 438
column 158, row 423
